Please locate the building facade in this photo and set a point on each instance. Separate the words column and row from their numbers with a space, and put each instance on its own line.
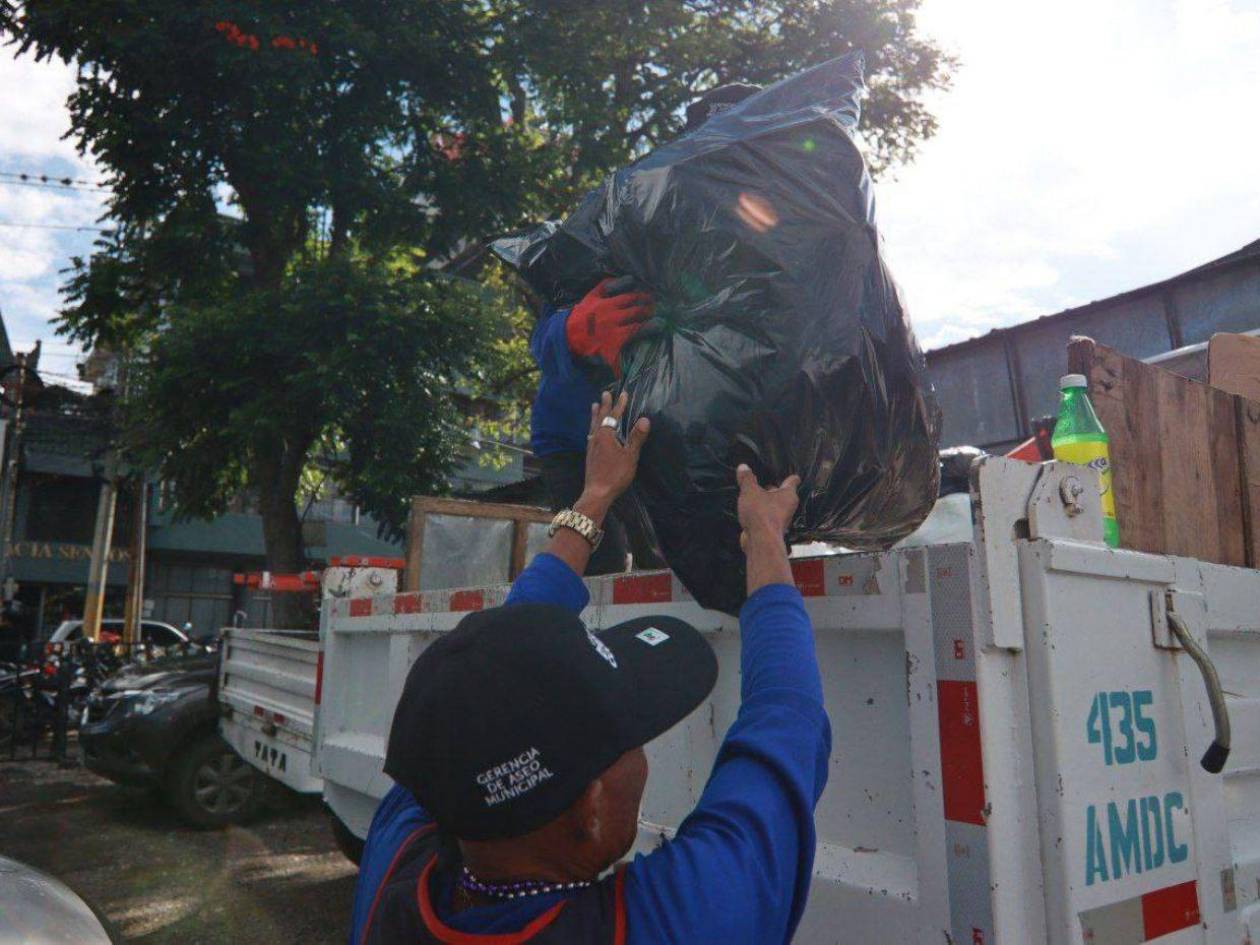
column 189, row 564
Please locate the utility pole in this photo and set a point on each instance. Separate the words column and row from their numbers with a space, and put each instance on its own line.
column 103, row 534
column 98, row 568
column 11, row 474
column 134, row 608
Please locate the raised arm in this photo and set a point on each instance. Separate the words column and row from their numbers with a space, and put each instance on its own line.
column 739, row 869
column 554, row 577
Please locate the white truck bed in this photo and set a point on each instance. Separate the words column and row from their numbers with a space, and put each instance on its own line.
column 1016, row 734
column 267, row 689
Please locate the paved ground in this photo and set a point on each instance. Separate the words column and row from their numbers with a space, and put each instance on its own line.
column 279, row 880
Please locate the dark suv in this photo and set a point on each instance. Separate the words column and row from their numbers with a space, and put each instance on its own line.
column 156, row 725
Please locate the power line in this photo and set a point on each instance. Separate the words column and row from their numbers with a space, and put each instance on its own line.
column 70, row 190
column 50, row 180
column 27, row 175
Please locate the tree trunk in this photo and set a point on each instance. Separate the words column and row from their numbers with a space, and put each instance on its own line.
column 276, row 474
column 274, row 233
column 339, row 238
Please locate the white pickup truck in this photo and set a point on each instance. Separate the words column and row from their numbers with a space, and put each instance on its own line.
column 268, row 685
column 267, row 681
column 1024, row 724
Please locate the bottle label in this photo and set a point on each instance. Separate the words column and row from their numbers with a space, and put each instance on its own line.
column 1095, row 455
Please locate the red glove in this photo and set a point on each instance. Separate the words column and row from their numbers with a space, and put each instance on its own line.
column 600, row 325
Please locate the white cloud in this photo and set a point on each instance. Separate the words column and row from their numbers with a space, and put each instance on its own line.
column 1087, row 147
column 32, row 101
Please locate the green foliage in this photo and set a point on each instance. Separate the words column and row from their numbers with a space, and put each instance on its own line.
column 286, row 175
column 505, row 378
column 618, row 76
column 361, row 354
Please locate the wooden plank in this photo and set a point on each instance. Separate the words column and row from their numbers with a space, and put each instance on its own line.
column 1248, row 419
column 1226, row 472
column 415, row 546
column 1175, row 458
column 1117, row 395
column 520, row 546
column 1234, row 364
column 438, row 506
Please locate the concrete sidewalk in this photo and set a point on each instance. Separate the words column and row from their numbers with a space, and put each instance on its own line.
column 281, row 879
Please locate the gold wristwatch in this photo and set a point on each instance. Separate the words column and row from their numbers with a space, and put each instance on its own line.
column 580, row 523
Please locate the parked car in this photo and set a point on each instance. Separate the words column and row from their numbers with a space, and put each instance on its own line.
column 153, row 632
column 156, row 725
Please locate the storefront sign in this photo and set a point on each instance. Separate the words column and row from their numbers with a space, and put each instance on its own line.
column 59, row 551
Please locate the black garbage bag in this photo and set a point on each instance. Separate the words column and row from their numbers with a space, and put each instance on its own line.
column 779, row 338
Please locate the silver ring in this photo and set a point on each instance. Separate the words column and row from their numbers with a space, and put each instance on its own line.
column 609, row 422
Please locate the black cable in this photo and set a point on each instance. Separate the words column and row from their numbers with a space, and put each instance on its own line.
column 51, row 180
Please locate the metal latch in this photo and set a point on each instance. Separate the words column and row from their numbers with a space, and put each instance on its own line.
column 1171, row 632
column 1064, row 503
column 1070, row 492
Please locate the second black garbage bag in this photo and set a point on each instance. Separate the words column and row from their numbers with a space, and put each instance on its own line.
column 779, row 339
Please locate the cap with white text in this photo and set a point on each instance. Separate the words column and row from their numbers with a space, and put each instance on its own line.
column 505, row 720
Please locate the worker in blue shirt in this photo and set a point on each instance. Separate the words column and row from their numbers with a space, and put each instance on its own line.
column 517, row 752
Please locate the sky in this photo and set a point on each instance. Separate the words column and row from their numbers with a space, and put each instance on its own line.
column 1086, row 147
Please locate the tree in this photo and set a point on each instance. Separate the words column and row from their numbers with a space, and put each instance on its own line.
column 285, row 365
column 286, row 177
column 617, row 75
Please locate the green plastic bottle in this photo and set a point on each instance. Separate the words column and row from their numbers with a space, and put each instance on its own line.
column 1080, row 438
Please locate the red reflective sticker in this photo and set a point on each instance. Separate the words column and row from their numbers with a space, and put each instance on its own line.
column 408, row 604
column 1169, row 909
column 467, row 600
column 644, row 589
column 962, row 774
column 809, row 577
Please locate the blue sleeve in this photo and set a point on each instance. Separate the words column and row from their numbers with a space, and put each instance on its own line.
column 548, row 580
column 550, row 346
column 396, row 818
column 739, row 868
column 561, row 414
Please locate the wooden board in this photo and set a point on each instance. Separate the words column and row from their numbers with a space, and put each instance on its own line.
column 1234, row 364
column 1248, row 414
column 422, row 507
column 1176, row 467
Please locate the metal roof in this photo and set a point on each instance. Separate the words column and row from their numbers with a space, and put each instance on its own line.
column 1248, row 253
column 6, row 350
